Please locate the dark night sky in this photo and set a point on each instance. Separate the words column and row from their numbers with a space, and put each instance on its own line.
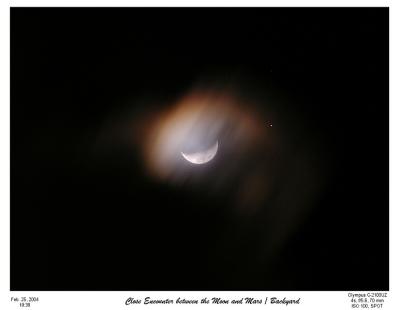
column 81, row 222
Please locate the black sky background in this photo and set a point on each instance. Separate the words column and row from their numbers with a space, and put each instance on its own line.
column 77, row 224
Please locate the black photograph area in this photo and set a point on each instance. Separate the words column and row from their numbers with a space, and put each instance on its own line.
column 199, row 149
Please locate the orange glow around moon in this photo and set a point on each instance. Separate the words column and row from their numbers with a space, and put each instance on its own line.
column 193, row 124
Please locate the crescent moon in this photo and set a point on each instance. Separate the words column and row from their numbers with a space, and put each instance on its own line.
column 199, row 158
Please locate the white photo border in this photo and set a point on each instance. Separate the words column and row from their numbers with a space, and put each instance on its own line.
column 334, row 300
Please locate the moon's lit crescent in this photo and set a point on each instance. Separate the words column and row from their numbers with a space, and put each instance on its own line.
column 199, row 158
